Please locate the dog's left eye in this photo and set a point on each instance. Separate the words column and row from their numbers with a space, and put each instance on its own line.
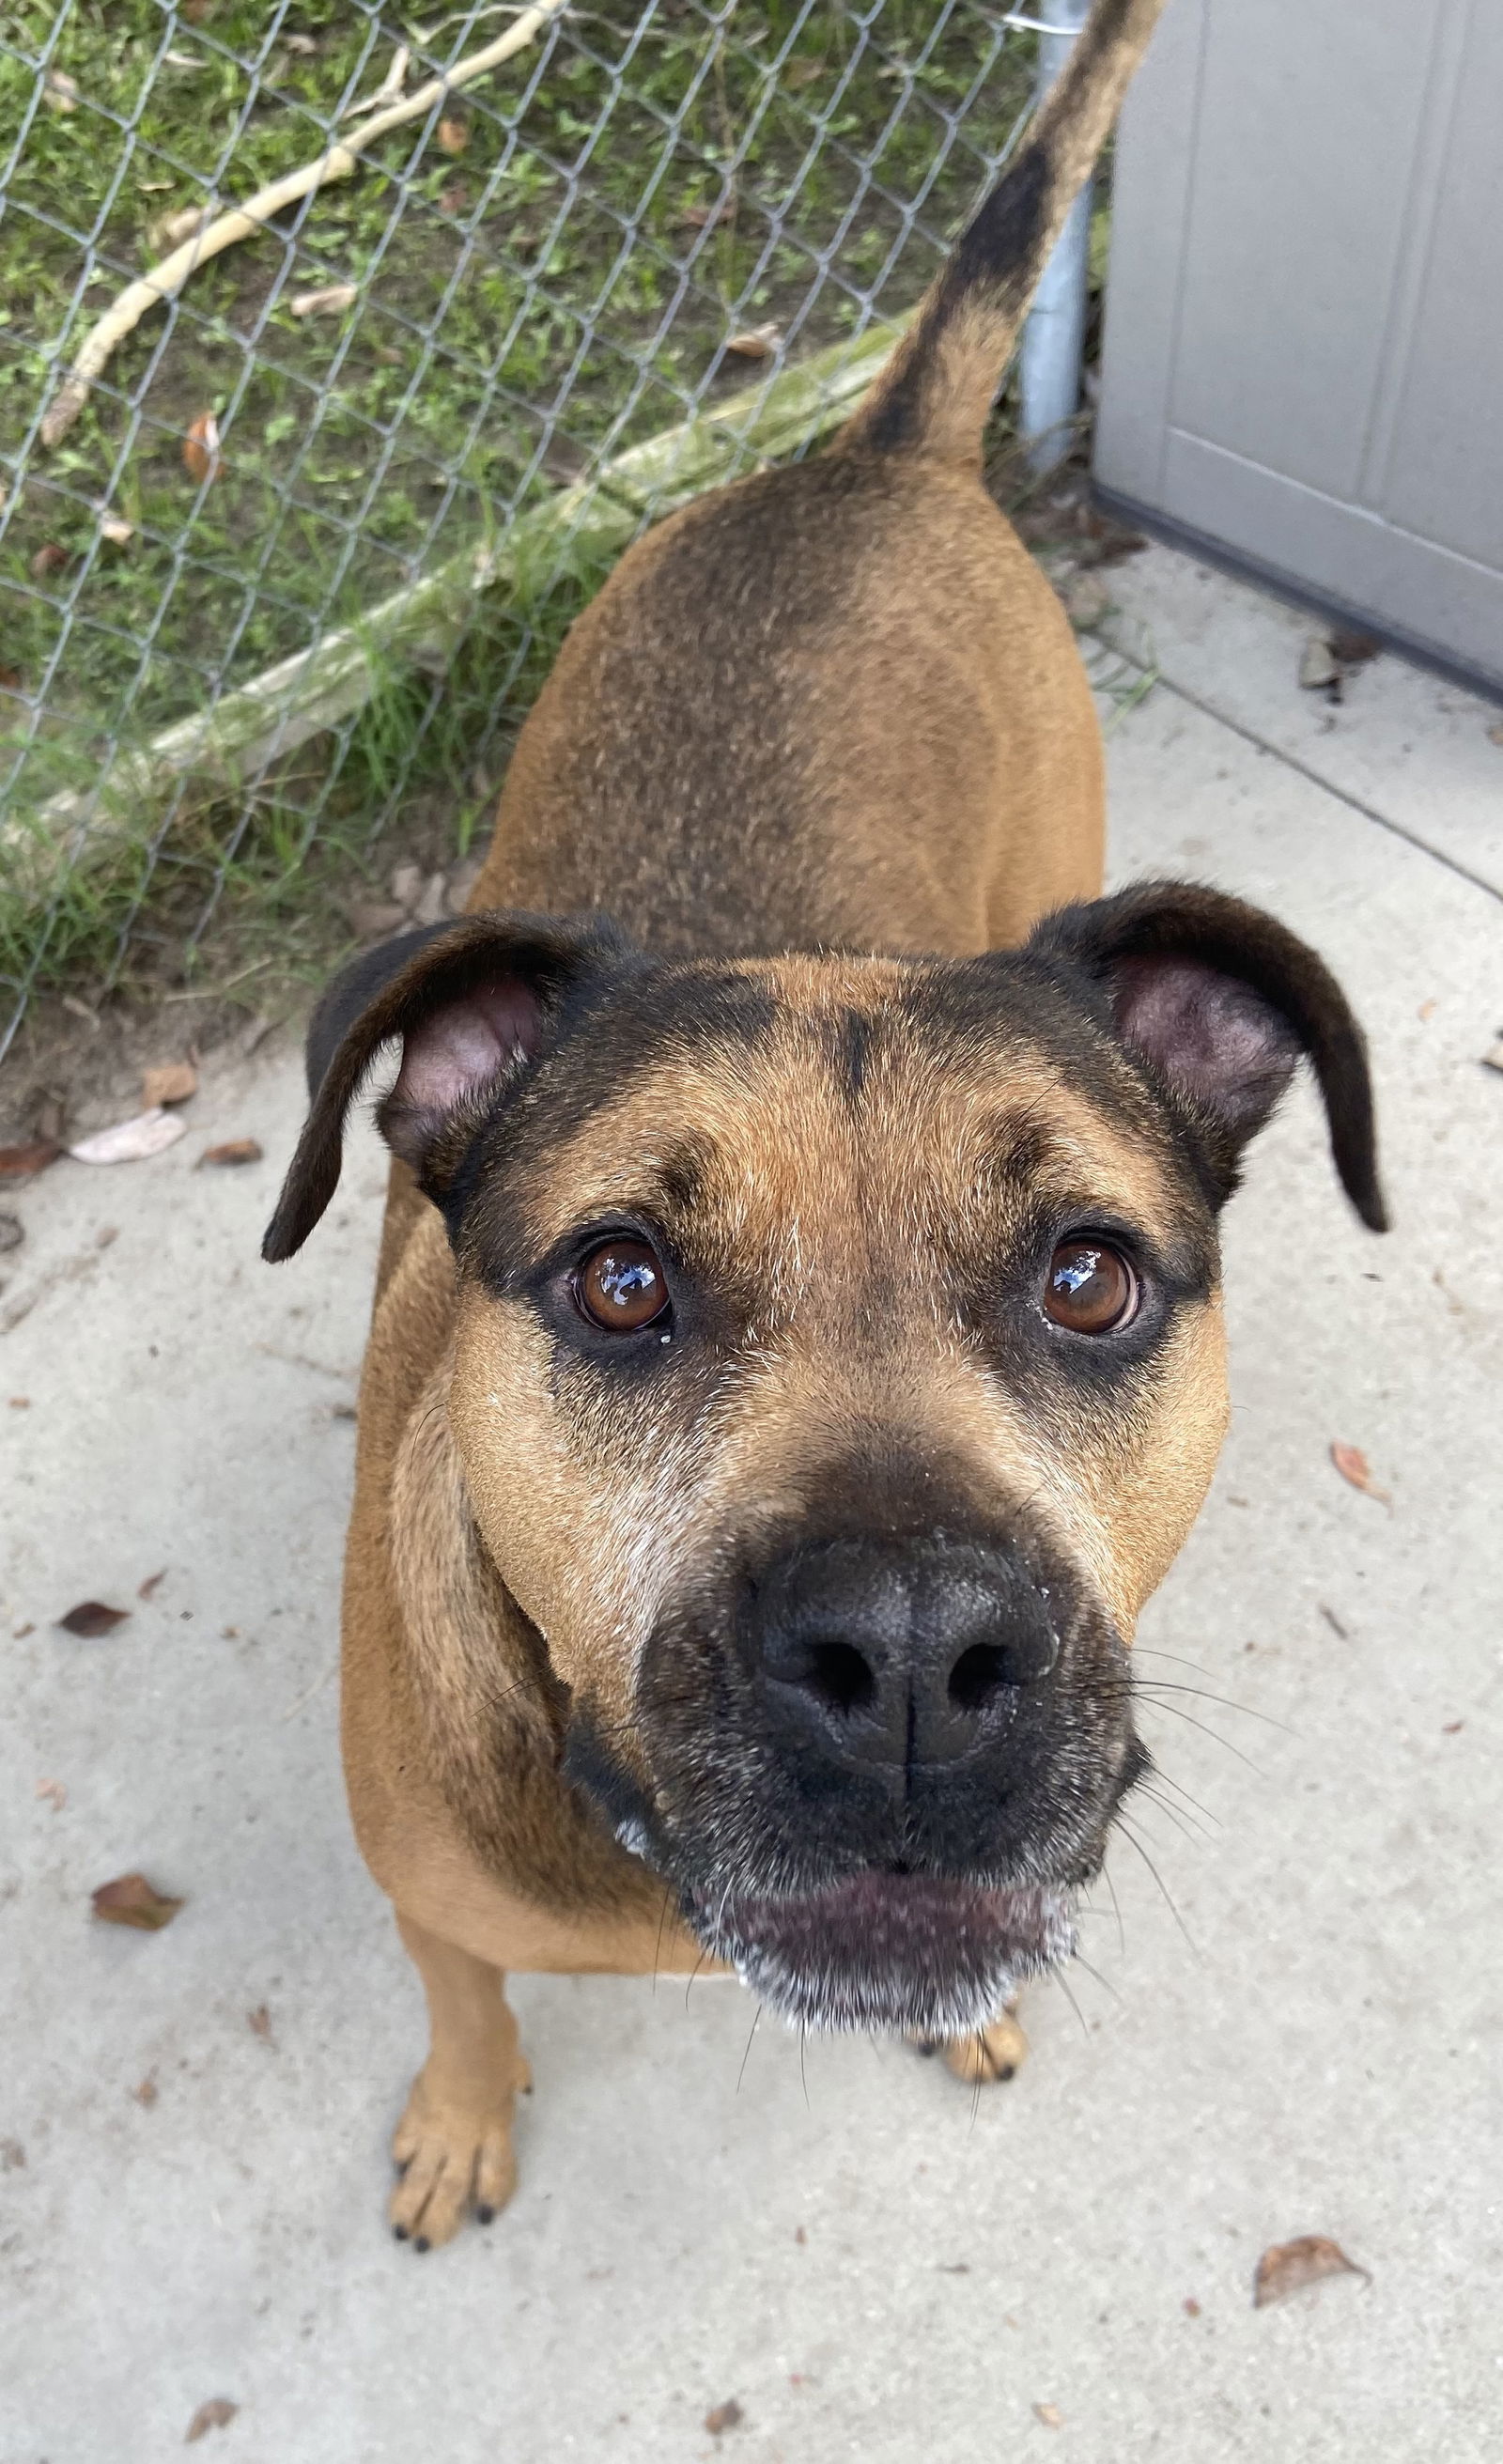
column 1090, row 1288
column 621, row 1286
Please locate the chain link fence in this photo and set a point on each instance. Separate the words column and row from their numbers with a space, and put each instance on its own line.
column 290, row 551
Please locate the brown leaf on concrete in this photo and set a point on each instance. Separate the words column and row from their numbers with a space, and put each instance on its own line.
column 92, row 1618
column 130, row 1900
column 1354, row 1467
column 233, row 1151
column 143, row 1591
column 13, row 2156
column 453, row 135
column 1352, row 648
column 172, row 1084
column 146, row 2091
column 17, row 1163
column 52, row 1791
column 259, row 2022
column 202, row 456
column 722, row 2417
column 1050, row 2415
column 1289, row 2265
column 216, row 2415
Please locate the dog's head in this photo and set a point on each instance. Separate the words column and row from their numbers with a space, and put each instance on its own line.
column 839, row 1367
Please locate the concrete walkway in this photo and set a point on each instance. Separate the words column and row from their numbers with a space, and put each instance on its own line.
column 194, row 2122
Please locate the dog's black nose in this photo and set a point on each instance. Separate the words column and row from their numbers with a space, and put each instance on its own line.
column 908, row 1654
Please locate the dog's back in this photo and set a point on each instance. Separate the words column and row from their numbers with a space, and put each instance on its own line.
column 837, row 704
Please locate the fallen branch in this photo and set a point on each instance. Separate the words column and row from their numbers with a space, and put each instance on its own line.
column 227, row 748
column 165, row 280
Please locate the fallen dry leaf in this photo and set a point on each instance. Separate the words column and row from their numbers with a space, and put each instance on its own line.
column 49, row 558
column 184, row 60
column 92, row 1618
column 196, row 11
column 722, row 2417
column 18, row 1402
column 233, row 1151
column 1427, row 1011
column 1353, row 650
column 13, row 2156
column 453, row 197
column 172, row 1082
column 17, row 1162
column 1318, row 671
column 202, row 456
column 143, row 1591
column 1190, row 2306
column 756, row 342
column 146, row 2091
column 1354, row 1467
column 333, row 296
column 453, row 136
column 131, row 1141
column 801, row 73
column 10, row 678
column 216, row 2415
column 119, row 532
column 130, row 1900
column 52, row 1792
column 59, row 91
column 259, row 2022
column 1452, row 1727
column 1051, row 2415
column 1288, row 2265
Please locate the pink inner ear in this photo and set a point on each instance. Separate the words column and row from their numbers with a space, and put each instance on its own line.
column 1212, row 1036
column 464, row 1044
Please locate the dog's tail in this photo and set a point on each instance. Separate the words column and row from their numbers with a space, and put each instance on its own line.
column 935, row 392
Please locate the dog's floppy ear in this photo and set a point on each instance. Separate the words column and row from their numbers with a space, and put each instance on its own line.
column 473, row 1003
column 1221, row 1001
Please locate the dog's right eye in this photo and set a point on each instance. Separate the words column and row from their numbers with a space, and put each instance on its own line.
column 621, row 1286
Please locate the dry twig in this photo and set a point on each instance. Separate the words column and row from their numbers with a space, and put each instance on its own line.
column 167, row 279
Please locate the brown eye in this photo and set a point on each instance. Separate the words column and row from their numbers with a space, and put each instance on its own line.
column 622, row 1286
column 1091, row 1288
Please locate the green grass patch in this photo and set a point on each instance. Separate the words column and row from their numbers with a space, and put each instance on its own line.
column 631, row 192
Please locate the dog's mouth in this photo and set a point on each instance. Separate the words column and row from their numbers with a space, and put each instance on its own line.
column 916, row 1953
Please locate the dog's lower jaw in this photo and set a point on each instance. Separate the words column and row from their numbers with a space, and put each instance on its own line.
column 906, row 1954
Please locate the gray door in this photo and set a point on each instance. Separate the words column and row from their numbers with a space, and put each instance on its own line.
column 1303, row 367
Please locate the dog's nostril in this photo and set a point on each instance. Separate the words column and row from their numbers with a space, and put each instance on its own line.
column 837, row 1673
column 979, row 1676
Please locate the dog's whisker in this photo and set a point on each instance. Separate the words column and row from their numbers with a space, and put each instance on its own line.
column 1177, row 1711
column 1131, row 1837
column 746, row 2055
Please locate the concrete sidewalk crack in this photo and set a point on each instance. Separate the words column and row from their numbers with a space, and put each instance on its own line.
column 1306, row 770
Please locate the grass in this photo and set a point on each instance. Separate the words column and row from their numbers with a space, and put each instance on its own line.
column 554, row 275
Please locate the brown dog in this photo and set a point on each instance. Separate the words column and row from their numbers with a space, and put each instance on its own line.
column 797, row 1350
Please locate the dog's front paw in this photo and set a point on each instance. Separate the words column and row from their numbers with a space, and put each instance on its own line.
column 987, row 2055
column 451, row 2155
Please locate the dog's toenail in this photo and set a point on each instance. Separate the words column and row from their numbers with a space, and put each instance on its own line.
column 399, row 2232
column 422, row 2242
column 1008, row 2071
column 485, row 2215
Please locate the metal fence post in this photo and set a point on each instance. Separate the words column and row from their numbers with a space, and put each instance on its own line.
column 1054, row 335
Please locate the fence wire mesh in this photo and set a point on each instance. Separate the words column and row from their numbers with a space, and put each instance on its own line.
column 328, row 504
